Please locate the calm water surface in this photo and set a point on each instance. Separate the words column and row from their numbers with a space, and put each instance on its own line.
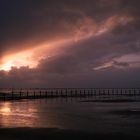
column 71, row 114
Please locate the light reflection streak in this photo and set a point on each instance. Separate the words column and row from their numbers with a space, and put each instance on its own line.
column 12, row 115
column 5, row 109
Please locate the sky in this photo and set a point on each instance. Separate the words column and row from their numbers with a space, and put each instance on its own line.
column 70, row 43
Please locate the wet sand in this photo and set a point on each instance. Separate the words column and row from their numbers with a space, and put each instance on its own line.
column 127, row 113
column 57, row 134
column 112, row 100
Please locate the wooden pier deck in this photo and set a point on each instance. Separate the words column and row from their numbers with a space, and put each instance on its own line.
column 33, row 93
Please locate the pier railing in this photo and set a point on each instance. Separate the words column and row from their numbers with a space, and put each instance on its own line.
column 30, row 93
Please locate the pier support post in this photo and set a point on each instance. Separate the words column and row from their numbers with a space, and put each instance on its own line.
column 12, row 94
column 20, row 93
column 27, row 94
column 46, row 93
column 34, row 94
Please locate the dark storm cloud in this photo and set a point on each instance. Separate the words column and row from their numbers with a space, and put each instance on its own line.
column 42, row 20
column 26, row 20
column 98, row 79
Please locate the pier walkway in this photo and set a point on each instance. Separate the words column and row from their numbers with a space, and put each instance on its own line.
column 33, row 93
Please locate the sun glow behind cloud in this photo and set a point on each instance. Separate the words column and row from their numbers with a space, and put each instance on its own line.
column 31, row 57
column 88, row 29
column 18, row 60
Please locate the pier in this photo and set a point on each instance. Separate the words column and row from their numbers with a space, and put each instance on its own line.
column 34, row 93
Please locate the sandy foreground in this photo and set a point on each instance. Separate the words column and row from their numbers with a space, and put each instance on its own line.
column 57, row 134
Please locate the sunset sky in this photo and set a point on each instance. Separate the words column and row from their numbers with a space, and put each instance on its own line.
column 69, row 43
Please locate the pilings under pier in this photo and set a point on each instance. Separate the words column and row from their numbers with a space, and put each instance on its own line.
column 33, row 93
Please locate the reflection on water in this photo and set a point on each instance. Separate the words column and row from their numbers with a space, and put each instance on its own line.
column 5, row 109
column 14, row 114
column 70, row 114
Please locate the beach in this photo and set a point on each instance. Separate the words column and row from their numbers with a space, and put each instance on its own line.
column 70, row 118
column 57, row 134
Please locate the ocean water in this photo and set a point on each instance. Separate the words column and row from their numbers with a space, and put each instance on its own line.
column 82, row 114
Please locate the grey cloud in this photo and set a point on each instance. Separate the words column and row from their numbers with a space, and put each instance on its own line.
column 36, row 21
column 121, row 64
column 43, row 20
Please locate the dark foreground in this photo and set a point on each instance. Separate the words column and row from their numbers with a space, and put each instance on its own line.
column 57, row 134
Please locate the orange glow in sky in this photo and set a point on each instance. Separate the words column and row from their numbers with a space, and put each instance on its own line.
column 34, row 54
column 18, row 60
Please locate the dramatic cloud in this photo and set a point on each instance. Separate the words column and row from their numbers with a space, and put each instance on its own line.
column 68, row 43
